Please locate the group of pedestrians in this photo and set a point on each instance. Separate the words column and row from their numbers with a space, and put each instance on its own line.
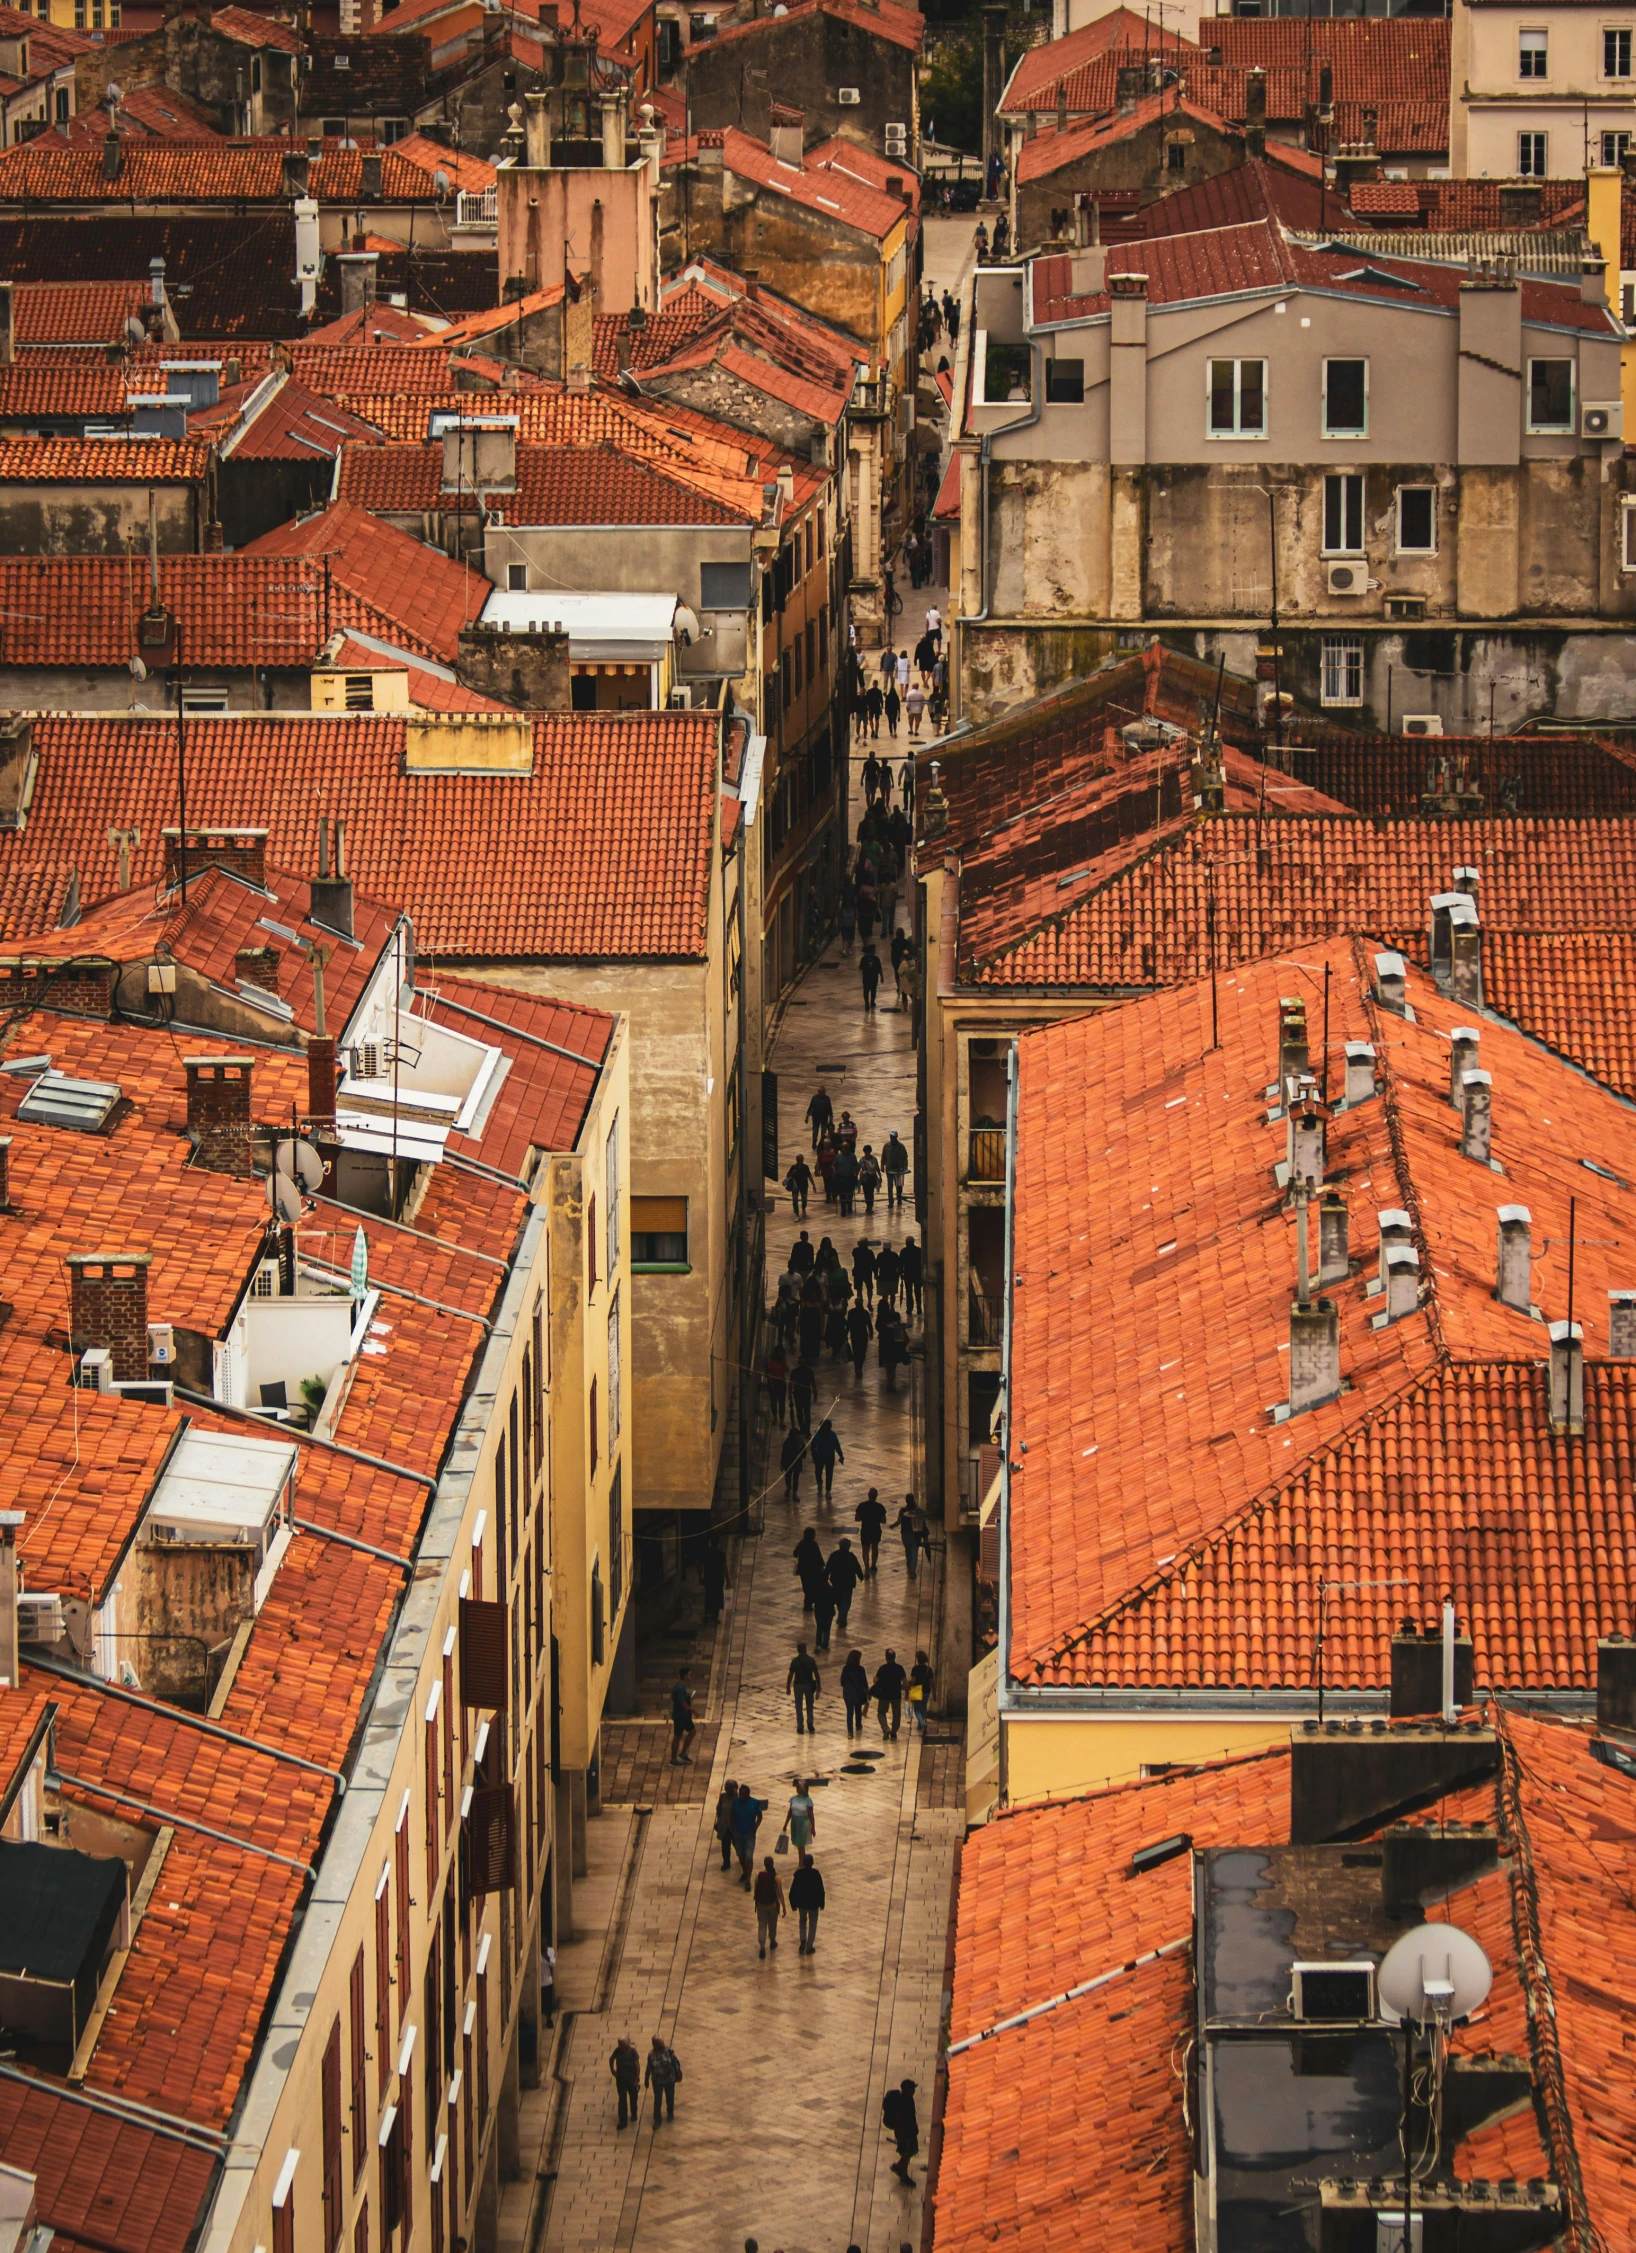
column 892, row 1687
column 662, row 2075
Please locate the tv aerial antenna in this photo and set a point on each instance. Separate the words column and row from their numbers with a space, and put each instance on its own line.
column 1430, row 1978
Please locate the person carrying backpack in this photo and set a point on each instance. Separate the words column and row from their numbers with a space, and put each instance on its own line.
column 869, row 1179
column 902, row 2124
column 663, row 2077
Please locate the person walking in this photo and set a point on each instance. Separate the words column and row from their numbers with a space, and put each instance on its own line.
column 664, row 2071
column 888, row 1275
column 725, row 1802
column 844, row 1572
column 747, row 1814
column 934, row 623
column 903, row 975
column 868, row 1179
column 887, row 1690
column 846, row 1165
column 869, row 975
column 894, row 1164
column 859, row 1330
column 778, row 1376
column 847, row 917
column 803, row 1381
column 626, row 2067
column 909, row 992
column 854, row 1695
column 888, row 665
column 806, row 1899
column 871, row 778
column 682, row 1725
column 823, row 1613
column 894, row 705
column 801, row 1255
column 769, row 1901
column 804, row 1680
column 826, row 1451
column 798, row 1181
column 874, row 704
column 820, row 1112
column 791, row 1456
column 898, row 2114
column 713, row 1572
column 892, row 1342
column 914, row 703
column 910, row 1271
column 810, row 1567
column 903, row 670
column 920, row 1690
column 801, row 1819
column 910, row 1525
column 863, row 1268
column 871, row 1517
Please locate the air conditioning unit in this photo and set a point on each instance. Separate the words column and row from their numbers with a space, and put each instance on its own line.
column 680, row 700
column 96, row 1369
column 39, row 1619
column 1341, row 1993
column 1422, row 723
column 897, row 140
column 1602, row 418
column 162, row 1343
column 1348, row 578
column 850, row 97
column 1405, row 606
column 370, row 1061
column 164, row 1533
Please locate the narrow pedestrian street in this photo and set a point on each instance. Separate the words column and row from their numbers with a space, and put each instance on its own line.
column 777, row 2132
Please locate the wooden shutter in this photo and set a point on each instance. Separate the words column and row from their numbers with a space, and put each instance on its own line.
column 406, row 2157
column 433, row 2029
column 482, row 2051
column 483, row 1663
column 392, row 2177
column 400, row 1847
column 516, row 1466
column 450, row 1801
column 360, row 2088
column 383, row 1992
column 284, row 2224
column 492, row 1833
column 434, row 1824
column 360, row 2228
column 331, row 2094
column 500, row 1535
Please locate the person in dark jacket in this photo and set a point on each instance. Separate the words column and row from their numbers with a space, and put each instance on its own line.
column 803, row 1383
column 798, row 1181
column 855, row 1693
column 820, row 1111
column 888, row 1275
column 823, row 1613
column 791, row 1456
column 869, row 973
column 902, row 2123
column 746, row 1820
column 871, row 1517
column 803, row 1682
column 664, row 2070
column 863, row 1268
column 887, row 1690
column 778, row 1377
column 801, row 1255
column 809, row 1329
column 910, row 1526
column 846, row 1167
column 806, row 1899
column 911, row 1271
column 724, row 1821
column 894, row 1345
column 809, row 1565
column 769, row 1900
column 894, row 1163
column 626, row 2067
column 826, row 1452
column 844, row 1573
column 859, row 1331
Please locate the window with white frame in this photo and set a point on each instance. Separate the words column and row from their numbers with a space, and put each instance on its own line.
column 1342, row 670
column 1614, row 146
column 1532, row 155
column 1550, row 395
column 1343, row 513
column 1616, row 51
column 1627, row 536
column 1417, row 520
column 1346, row 398
column 1532, row 54
column 1237, row 398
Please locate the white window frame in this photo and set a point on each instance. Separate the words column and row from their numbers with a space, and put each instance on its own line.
column 1397, row 519
column 1238, row 366
column 1617, row 31
column 1532, row 171
column 1627, row 535
column 1360, row 547
column 1542, row 33
column 1341, row 650
column 1343, row 359
column 1553, row 429
column 1621, row 142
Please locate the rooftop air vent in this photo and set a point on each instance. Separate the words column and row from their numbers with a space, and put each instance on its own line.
column 1337, row 1993
column 56, row 1100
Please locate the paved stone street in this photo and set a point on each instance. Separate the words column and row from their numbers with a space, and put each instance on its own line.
column 777, row 2130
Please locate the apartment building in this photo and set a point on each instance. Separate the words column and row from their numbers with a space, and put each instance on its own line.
column 1539, row 94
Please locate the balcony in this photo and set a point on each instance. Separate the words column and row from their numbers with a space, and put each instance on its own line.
column 985, row 1317
column 986, row 1156
column 479, row 209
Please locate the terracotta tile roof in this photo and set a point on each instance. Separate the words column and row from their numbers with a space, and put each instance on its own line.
column 467, row 171
column 104, row 461
column 37, row 387
column 401, row 578
column 294, row 424
column 590, row 485
column 1377, row 59
column 903, row 27
column 374, row 323
column 1035, row 78
column 432, row 688
column 1165, row 1525
column 1470, row 206
column 807, row 369
column 383, row 73
column 253, row 30
column 21, row 1714
column 1048, row 152
column 116, row 2181
column 152, row 113
column 1525, row 774
column 36, row 898
column 603, row 852
column 75, row 312
column 211, row 171
column 408, row 369
column 835, row 190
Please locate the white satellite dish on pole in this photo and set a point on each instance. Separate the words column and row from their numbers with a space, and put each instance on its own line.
column 286, row 1198
column 299, row 1162
column 1433, row 1975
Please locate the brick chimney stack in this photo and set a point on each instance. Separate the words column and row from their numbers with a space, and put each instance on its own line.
column 108, row 1307
column 242, row 852
column 218, row 1112
column 11, row 1522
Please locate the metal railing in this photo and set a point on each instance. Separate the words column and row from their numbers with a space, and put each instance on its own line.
column 986, row 1156
column 479, row 209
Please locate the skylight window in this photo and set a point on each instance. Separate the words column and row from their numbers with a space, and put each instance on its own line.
column 85, row 1106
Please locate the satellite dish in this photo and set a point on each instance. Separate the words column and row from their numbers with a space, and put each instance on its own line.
column 299, row 1162
column 286, row 1198
column 135, row 333
column 1434, row 1975
column 440, row 181
column 139, row 671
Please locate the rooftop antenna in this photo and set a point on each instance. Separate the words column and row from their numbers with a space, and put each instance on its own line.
column 1430, row 1977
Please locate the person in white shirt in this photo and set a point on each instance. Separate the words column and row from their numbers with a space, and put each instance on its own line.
column 934, row 621
column 903, row 672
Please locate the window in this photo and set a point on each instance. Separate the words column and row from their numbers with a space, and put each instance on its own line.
column 590, row 1250
column 62, row 91
column 1176, row 156
column 1531, row 56
column 616, row 1542
column 659, row 1232
column 610, row 1189
column 356, row 2059
column 724, row 586
column 1627, row 536
column 1616, row 54
column 1550, row 395
column 360, row 692
column 255, row 74
column 1064, row 382
column 1417, row 520
column 517, row 578
column 1346, row 398
column 383, row 1984
column 284, row 2205
column 615, row 1389
column 593, row 1428
column 599, row 1617
column 1614, row 146
column 1343, row 671
column 1531, row 156
column 1343, row 514
column 330, row 2087
column 1238, row 398
column 400, row 1846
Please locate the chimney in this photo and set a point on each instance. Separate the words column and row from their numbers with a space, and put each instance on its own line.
column 1463, row 1046
column 1347, row 1778
column 1592, row 281
column 786, row 135
column 1127, row 86
column 297, row 168
column 108, row 1307
column 579, row 333
column 1088, row 271
column 241, row 852
column 1467, row 880
column 1477, row 1119
column 1371, row 124
column 113, row 157
column 1417, row 1671
column 1441, row 953
column 359, row 271
column 1255, row 113
column 1292, row 1039
column 321, row 1078
column 1514, row 1259
column 1314, row 1354
column 1466, row 965
column 1390, row 975
column 1621, row 1320
column 1360, row 1072
column 258, row 966
column 1565, row 1380
column 1305, row 1141
column 1326, row 91
column 1402, row 1281
column 156, row 283
column 613, row 132
column 536, row 132
column 369, row 176
column 10, row 1659
column 218, row 1112
column 1616, row 1684
column 1424, row 1862
column 1334, row 1251
column 1395, row 1228
column 331, row 903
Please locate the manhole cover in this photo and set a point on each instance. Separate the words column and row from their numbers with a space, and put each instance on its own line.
column 831, row 1069
column 869, row 1756
column 857, row 1768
